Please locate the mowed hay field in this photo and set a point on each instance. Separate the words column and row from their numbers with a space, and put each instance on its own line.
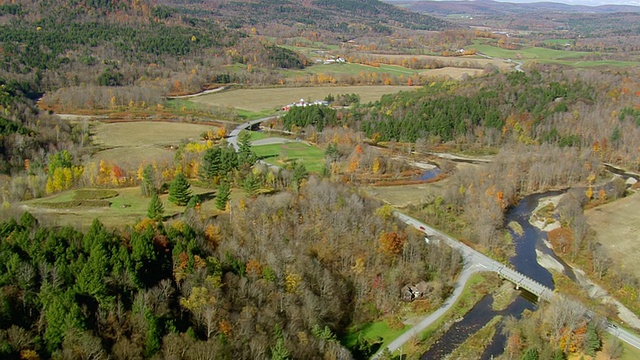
column 130, row 143
column 457, row 61
column 617, row 228
column 452, row 72
column 275, row 98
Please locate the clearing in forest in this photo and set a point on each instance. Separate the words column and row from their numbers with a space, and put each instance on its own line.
column 279, row 154
column 130, row 143
column 276, row 98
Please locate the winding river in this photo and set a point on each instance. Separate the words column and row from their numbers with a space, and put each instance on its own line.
column 525, row 261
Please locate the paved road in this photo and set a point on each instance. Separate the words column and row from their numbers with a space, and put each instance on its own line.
column 233, row 137
column 467, row 271
column 475, row 261
column 474, row 257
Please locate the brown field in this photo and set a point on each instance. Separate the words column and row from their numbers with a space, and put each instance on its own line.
column 452, row 72
column 275, row 98
column 457, row 61
column 617, row 228
column 131, row 143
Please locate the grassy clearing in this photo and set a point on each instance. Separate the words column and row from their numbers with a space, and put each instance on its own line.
column 132, row 143
column 272, row 99
column 551, row 56
column 279, row 154
column 530, row 53
column 113, row 207
column 144, row 133
column 374, row 332
column 253, row 115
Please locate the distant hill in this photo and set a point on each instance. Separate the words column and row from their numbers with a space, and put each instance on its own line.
column 489, row 7
column 346, row 17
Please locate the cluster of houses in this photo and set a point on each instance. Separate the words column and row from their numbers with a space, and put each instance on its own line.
column 303, row 103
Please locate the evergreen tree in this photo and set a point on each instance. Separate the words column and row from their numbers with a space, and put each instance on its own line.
column 591, row 340
column 211, row 164
column 251, row 185
column 530, row 354
column 179, row 190
column 245, row 155
column 222, row 196
column 147, row 186
column 299, row 173
column 279, row 351
column 156, row 208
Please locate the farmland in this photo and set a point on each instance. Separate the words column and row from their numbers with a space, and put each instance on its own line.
column 274, row 98
column 121, row 207
column 617, row 228
column 279, row 154
column 129, row 144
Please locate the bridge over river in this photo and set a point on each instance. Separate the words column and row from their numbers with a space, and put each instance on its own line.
column 476, row 261
column 472, row 256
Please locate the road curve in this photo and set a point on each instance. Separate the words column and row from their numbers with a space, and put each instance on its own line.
column 467, row 271
column 232, row 139
column 475, row 261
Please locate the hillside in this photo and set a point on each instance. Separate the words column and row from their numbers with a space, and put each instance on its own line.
column 342, row 18
column 490, row 7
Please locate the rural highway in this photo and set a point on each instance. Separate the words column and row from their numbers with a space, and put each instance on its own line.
column 472, row 256
column 467, row 271
column 475, row 261
column 233, row 137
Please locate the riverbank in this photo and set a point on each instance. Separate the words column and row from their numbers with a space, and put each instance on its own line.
column 540, row 219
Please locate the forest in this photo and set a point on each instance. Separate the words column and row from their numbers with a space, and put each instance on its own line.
column 214, row 287
column 270, row 261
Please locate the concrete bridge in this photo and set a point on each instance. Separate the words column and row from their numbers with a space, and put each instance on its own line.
column 474, row 257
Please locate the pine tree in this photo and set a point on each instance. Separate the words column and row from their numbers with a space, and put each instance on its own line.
column 591, row 340
column 155, row 209
column 179, row 192
column 299, row 173
column 147, row 186
column 279, row 351
column 222, row 196
column 251, row 185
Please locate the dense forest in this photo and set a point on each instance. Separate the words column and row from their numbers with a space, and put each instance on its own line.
column 218, row 287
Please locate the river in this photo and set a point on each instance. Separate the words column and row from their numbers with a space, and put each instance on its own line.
column 525, row 261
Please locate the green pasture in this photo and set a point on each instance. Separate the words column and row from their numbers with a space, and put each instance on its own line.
column 551, row 56
column 530, row 53
column 113, row 207
column 280, row 154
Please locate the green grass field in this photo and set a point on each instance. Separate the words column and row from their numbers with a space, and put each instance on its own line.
column 278, row 154
column 113, row 207
column 551, row 56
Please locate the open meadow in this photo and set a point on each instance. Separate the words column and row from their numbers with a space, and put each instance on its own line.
column 275, row 98
column 130, row 143
column 456, row 61
column 544, row 55
column 279, row 154
column 617, row 228
column 113, row 207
